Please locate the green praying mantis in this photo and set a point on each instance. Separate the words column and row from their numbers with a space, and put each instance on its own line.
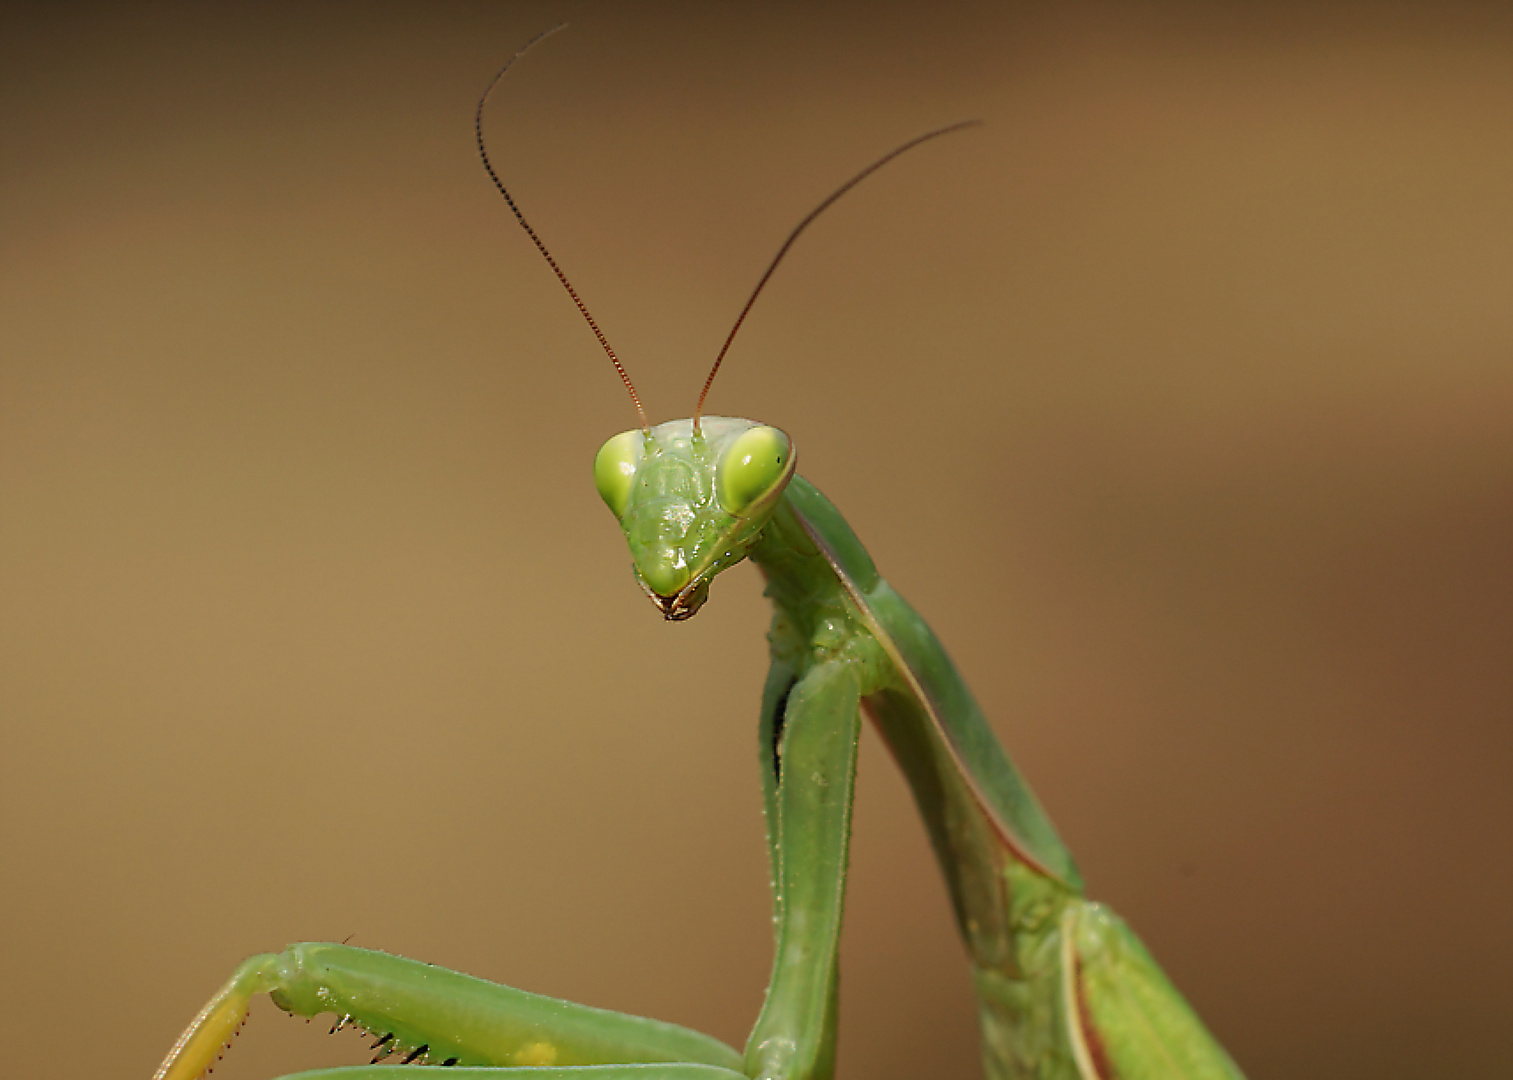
column 1065, row 989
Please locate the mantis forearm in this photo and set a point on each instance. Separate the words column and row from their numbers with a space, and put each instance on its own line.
column 429, row 1014
column 810, row 784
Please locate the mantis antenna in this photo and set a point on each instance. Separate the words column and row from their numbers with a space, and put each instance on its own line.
column 782, row 251
column 582, row 308
column 794, row 235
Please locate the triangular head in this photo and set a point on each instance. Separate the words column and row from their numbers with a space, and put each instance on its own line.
column 692, row 498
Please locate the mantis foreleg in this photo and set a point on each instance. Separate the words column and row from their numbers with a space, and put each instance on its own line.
column 430, row 1014
column 809, row 737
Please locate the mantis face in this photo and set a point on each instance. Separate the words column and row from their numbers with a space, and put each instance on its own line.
column 692, row 503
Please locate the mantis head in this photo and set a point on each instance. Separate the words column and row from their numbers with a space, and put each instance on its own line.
column 692, row 498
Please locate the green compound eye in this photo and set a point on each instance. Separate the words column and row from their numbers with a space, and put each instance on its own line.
column 752, row 464
column 615, row 469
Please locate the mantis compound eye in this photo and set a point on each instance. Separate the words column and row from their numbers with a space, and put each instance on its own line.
column 615, row 469
column 751, row 466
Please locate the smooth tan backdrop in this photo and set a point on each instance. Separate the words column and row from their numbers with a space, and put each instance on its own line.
column 1177, row 397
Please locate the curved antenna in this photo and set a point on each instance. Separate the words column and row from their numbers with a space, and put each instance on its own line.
column 794, row 235
column 582, row 308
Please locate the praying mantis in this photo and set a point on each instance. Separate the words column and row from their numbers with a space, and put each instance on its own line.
column 1065, row 989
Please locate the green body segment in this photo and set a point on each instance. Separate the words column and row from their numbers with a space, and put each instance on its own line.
column 420, row 1013
column 471, row 1020
column 808, row 776
column 1066, row 991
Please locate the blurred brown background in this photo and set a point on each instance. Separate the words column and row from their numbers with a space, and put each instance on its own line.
column 1177, row 397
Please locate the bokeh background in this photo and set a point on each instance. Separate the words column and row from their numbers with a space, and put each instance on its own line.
column 1177, row 397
